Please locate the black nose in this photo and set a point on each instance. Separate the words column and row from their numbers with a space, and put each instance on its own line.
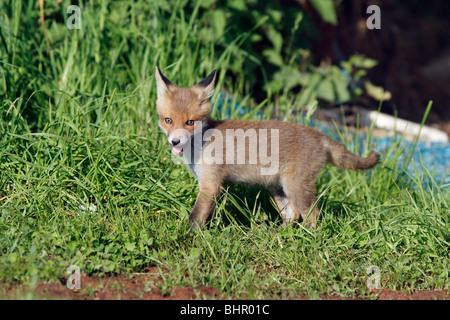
column 175, row 141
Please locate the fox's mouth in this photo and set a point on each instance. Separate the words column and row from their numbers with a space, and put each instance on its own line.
column 177, row 150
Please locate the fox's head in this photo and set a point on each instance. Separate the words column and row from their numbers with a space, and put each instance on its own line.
column 182, row 110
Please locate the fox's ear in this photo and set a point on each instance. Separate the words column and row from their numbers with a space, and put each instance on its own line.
column 205, row 88
column 162, row 83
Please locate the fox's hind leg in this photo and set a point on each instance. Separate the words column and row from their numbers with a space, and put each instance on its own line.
column 288, row 212
column 301, row 194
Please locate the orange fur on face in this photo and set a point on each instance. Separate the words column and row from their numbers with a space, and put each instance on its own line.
column 187, row 109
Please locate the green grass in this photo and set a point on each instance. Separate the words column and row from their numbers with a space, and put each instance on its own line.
column 84, row 132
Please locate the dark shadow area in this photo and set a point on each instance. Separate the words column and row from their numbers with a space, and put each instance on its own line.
column 412, row 49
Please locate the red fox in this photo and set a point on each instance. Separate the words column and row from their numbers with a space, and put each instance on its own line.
column 237, row 151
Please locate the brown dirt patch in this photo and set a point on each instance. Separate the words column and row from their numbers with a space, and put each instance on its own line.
column 142, row 286
column 417, row 295
column 150, row 286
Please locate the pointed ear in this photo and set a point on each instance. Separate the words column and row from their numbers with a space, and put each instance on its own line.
column 162, row 83
column 205, row 88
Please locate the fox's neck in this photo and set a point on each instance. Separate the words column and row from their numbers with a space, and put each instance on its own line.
column 208, row 123
column 197, row 142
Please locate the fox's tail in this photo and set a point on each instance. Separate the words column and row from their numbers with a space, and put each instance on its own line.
column 342, row 158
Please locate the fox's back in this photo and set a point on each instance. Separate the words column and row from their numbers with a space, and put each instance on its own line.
column 277, row 147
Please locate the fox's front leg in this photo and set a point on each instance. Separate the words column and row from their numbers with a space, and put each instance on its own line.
column 205, row 203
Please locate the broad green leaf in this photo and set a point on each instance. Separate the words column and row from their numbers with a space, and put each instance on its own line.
column 342, row 93
column 219, row 23
column 326, row 10
column 273, row 57
column 276, row 38
column 325, row 90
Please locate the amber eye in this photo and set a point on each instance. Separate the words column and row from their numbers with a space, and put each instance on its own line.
column 190, row 122
column 168, row 120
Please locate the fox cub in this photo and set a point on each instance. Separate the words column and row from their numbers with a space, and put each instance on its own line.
column 237, row 151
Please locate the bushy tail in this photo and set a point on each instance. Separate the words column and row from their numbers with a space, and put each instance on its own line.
column 342, row 158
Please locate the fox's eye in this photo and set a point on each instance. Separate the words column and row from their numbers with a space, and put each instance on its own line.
column 190, row 122
column 168, row 120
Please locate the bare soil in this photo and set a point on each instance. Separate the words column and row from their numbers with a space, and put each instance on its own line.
column 149, row 286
